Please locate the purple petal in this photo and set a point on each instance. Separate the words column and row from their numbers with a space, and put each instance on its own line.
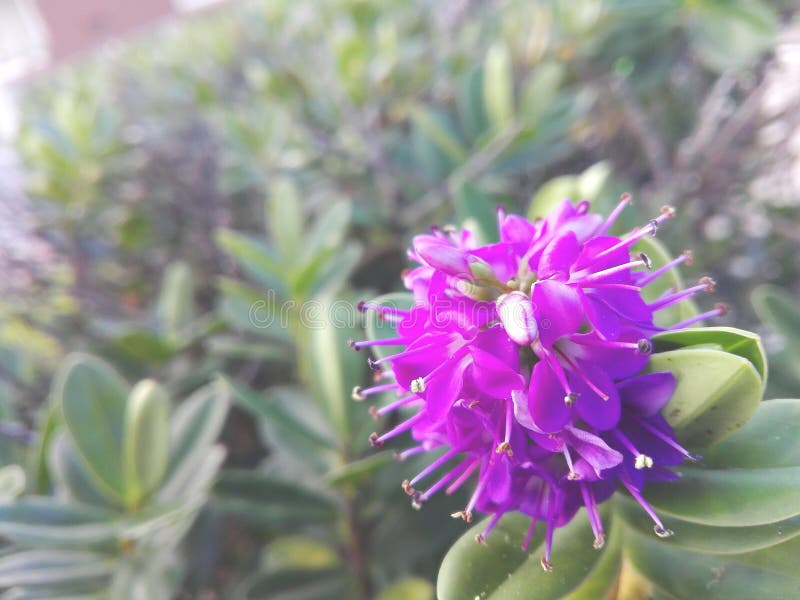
column 602, row 318
column 647, row 394
column 593, row 449
column 444, row 388
column 558, row 256
column 557, row 308
column 546, row 403
column 597, row 412
column 492, row 376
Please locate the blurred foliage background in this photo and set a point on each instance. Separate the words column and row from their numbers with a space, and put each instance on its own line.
column 205, row 197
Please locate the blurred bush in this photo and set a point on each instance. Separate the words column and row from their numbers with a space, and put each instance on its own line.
column 209, row 183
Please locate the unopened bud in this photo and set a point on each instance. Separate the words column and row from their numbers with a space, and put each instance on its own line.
column 516, row 314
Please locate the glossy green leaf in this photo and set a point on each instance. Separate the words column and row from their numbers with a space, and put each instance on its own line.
column 49, row 421
column 50, row 567
column 145, row 451
column 93, row 399
column 709, row 538
column 716, row 393
column 687, row 575
column 498, row 85
column 196, row 424
column 728, row 339
column 769, row 439
column 411, row 588
column 272, row 503
column 175, row 306
column 730, row 497
column 503, row 570
column 378, row 328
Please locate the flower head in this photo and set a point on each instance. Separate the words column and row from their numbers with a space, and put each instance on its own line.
column 521, row 364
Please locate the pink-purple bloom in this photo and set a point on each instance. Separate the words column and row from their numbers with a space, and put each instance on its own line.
column 522, row 361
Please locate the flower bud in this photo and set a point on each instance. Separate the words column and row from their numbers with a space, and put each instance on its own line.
column 441, row 254
column 516, row 314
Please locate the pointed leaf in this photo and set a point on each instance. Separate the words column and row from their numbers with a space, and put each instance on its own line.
column 728, row 339
column 146, row 440
column 93, row 399
column 716, row 393
column 284, row 217
column 503, row 570
column 196, row 424
column 498, row 85
column 175, row 307
column 688, row 575
column 50, row 567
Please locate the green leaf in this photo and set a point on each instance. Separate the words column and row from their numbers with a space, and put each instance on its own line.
column 779, row 310
column 41, row 522
column 498, row 85
column 477, row 212
column 730, row 497
column 290, row 422
column 328, row 272
column 52, row 567
column 728, row 339
column 146, row 440
column 72, row 478
column 12, row 482
column 716, row 393
column 196, row 424
column 256, row 259
column 143, row 346
column 247, row 309
column 769, row 439
column 284, row 218
column 272, row 503
column 550, row 194
column 435, row 127
column 40, row 479
column 93, row 399
column 175, row 306
column 687, row 575
column 540, row 90
column 410, row 588
column 731, row 35
column 337, row 368
column 353, row 473
column 709, row 538
column 470, row 105
column 502, row 570
column 379, row 329
column 329, row 229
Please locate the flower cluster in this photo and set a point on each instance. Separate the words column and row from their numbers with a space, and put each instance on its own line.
column 522, row 362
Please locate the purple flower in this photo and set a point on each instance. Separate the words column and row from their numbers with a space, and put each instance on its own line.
column 521, row 362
